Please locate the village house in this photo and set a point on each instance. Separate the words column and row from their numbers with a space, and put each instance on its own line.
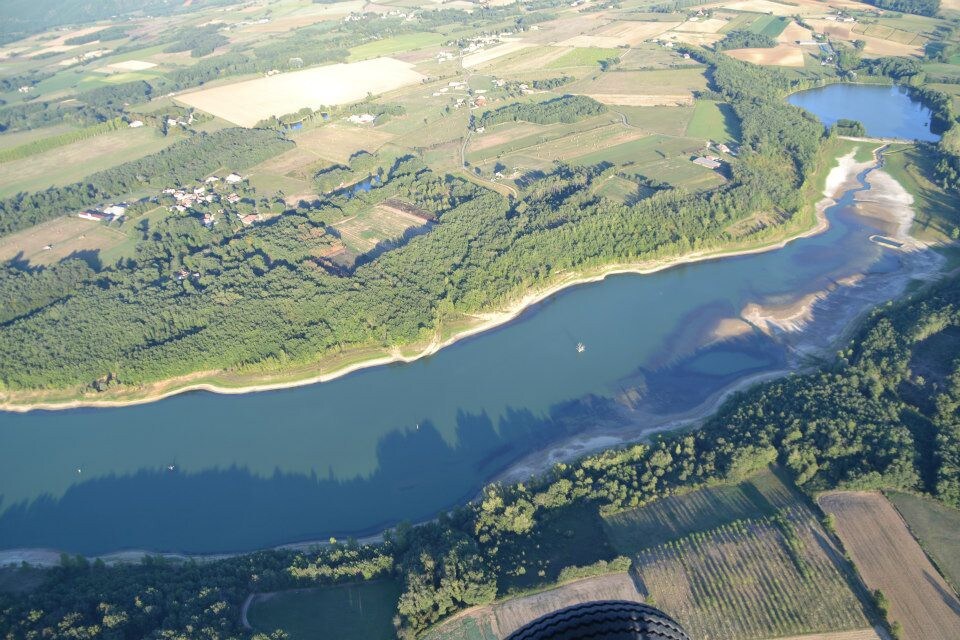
column 233, row 198
column 97, row 216
column 136, row 124
column 233, row 178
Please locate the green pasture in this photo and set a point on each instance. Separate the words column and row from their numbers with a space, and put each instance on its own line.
column 937, row 527
column 362, row 611
column 396, row 44
column 771, row 26
column 936, row 210
column 714, row 121
column 650, row 149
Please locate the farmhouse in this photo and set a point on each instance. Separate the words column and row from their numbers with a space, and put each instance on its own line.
column 710, row 162
column 93, row 215
column 233, row 178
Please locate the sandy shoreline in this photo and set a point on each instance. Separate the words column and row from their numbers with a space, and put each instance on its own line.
column 838, row 180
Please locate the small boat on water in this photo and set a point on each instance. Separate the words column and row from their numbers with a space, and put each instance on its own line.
column 580, row 347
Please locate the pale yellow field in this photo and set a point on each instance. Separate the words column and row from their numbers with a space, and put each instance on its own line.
column 710, row 25
column 63, row 235
column 337, row 142
column 953, row 5
column 782, row 55
column 888, row 558
column 793, row 33
column 592, row 41
column 247, row 103
column 699, row 39
column 129, row 65
column 650, row 100
column 482, row 57
column 632, row 32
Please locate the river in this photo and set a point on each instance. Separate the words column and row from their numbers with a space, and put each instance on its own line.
column 205, row 473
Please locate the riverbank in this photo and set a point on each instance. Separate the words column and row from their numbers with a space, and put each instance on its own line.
column 837, row 180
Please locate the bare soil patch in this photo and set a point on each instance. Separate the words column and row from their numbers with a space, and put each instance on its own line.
column 889, row 558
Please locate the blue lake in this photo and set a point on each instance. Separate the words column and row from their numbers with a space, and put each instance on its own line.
column 885, row 111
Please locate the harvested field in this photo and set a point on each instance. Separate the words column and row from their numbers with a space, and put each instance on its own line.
column 501, row 619
column 745, row 580
column 338, row 142
column 710, row 25
column 671, row 82
column 482, row 57
column 587, row 41
column 633, row 33
column 64, row 235
column 875, row 46
column 246, row 103
column 666, row 100
column 698, row 39
column 763, row 6
column 793, row 33
column 782, row 55
column 888, row 558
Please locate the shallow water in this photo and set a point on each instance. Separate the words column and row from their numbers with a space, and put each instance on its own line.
column 351, row 456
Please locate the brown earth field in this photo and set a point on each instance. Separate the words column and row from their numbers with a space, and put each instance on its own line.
column 890, row 559
column 782, row 55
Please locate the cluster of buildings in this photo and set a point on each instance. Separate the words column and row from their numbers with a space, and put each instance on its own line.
column 362, row 118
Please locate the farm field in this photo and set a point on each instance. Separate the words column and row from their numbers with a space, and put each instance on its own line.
column 70, row 163
column 487, row 55
column 396, row 44
column 672, row 87
column 247, row 103
column 679, row 516
column 714, row 121
column 936, row 527
column 361, row 233
column 583, row 57
column 633, row 33
column 888, row 558
column 347, row 612
column 782, row 55
column 753, row 579
column 64, row 236
column 643, row 151
column 502, row 618
column 554, row 141
column 771, row 26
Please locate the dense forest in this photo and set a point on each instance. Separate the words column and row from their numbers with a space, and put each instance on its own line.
column 885, row 414
column 743, row 39
column 133, row 322
column 919, row 7
column 562, row 109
